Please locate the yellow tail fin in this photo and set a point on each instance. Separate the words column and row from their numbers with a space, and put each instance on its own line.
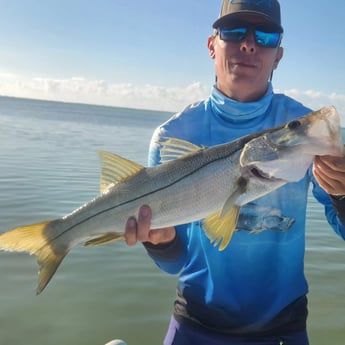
column 35, row 239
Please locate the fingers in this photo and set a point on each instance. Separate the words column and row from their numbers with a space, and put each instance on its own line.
column 330, row 174
column 138, row 230
column 144, row 224
column 331, row 165
column 131, row 231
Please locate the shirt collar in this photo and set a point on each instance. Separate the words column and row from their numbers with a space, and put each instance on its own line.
column 231, row 110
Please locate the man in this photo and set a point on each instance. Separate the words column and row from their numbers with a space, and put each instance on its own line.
column 254, row 292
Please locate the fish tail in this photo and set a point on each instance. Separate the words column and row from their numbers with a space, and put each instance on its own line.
column 36, row 239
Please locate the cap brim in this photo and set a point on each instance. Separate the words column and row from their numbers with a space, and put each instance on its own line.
column 232, row 17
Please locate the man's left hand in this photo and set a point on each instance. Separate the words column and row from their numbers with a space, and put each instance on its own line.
column 329, row 172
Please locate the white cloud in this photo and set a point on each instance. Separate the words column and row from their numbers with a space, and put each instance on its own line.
column 317, row 99
column 82, row 90
column 79, row 89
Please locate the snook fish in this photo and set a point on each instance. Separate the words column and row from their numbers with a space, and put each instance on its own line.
column 194, row 183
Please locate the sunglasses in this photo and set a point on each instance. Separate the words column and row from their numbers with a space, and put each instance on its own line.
column 262, row 38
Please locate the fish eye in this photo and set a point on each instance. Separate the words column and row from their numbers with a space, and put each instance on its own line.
column 294, row 124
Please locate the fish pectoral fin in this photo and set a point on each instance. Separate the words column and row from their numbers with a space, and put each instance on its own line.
column 242, row 184
column 173, row 148
column 36, row 239
column 115, row 169
column 104, row 239
column 219, row 227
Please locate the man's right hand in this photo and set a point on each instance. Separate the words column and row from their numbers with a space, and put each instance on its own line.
column 139, row 230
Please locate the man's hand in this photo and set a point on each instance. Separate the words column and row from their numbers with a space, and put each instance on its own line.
column 139, row 230
column 329, row 172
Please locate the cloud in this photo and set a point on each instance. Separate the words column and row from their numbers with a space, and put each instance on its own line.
column 317, row 99
column 82, row 90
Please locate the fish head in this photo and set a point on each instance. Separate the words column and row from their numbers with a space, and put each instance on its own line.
column 286, row 152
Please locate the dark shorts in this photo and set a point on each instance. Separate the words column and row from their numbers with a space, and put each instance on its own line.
column 182, row 334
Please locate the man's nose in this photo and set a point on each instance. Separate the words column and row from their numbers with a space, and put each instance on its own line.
column 248, row 43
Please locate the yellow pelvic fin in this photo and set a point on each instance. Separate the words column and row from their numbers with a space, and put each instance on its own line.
column 219, row 227
column 104, row 239
column 115, row 169
column 34, row 239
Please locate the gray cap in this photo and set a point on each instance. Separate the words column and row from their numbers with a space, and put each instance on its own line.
column 268, row 9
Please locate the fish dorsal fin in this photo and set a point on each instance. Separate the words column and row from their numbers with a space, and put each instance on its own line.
column 173, row 148
column 220, row 228
column 115, row 169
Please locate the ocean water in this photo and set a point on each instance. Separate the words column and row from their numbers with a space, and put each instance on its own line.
column 49, row 166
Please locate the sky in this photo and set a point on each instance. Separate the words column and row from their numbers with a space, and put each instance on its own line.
column 152, row 54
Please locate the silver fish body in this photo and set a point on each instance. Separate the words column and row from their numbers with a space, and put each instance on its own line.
column 193, row 183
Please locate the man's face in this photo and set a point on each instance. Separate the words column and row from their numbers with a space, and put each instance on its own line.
column 244, row 67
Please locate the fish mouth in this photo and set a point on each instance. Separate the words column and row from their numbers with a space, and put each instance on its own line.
column 255, row 171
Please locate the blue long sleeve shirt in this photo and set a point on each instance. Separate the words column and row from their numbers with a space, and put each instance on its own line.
column 261, row 272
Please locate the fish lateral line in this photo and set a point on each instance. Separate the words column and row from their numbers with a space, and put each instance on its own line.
column 172, row 183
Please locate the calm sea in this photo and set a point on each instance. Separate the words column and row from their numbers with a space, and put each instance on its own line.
column 49, row 166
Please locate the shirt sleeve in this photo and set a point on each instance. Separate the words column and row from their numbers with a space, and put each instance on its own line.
column 334, row 209
column 170, row 257
column 339, row 206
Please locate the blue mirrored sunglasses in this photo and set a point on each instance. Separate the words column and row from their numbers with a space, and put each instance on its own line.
column 262, row 38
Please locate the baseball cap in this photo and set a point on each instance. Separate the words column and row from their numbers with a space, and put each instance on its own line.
column 268, row 9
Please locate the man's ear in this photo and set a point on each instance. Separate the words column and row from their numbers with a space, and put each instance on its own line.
column 210, row 46
column 279, row 56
